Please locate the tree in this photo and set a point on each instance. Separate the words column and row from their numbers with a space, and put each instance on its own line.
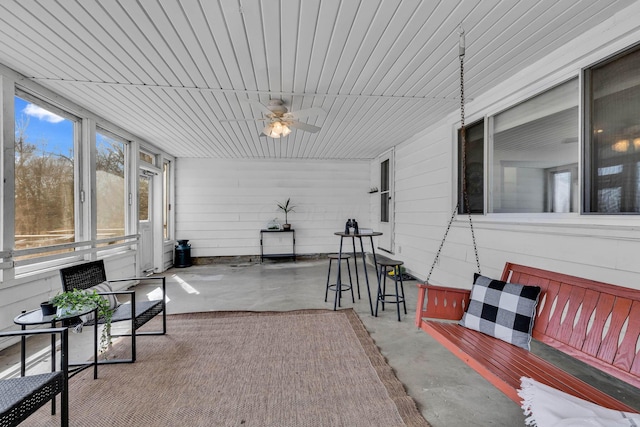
column 44, row 199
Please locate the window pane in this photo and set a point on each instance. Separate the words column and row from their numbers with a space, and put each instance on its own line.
column 614, row 145
column 44, row 176
column 143, row 198
column 147, row 157
column 561, row 192
column 474, row 168
column 384, row 175
column 384, row 191
column 529, row 140
column 384, row 207
column 110, row 186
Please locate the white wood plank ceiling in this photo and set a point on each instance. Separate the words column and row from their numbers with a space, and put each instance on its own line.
column 171, row 71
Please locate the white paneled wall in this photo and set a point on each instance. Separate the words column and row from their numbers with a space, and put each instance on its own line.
column 222, row 204
column 592, row 246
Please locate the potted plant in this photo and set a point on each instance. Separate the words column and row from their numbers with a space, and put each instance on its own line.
column 286, row 207
column 48, row 309
column 78, row 301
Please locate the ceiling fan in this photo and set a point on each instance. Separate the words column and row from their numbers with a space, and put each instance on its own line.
column 280, row 120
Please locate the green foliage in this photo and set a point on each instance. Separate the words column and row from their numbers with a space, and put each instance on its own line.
column 44, row 187
column 286, row 207
column 79, row 300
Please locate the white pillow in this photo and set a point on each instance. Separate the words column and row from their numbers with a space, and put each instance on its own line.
column 111, row 298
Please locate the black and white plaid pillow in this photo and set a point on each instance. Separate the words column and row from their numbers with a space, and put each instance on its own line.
column 503, row 310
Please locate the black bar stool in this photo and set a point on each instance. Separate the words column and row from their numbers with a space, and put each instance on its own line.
column 343, row 286
column 384, row 266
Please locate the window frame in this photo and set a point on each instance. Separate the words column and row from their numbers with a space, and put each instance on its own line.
column 461, row 202
column 590, row 169
column 127, row 187
column 488, row 193
column 26, row 265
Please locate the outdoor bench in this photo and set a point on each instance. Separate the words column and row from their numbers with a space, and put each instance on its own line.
column 89, row 275
column 594, row 322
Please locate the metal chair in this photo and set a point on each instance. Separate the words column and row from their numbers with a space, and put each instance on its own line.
column 20, row 397
column 89, row 274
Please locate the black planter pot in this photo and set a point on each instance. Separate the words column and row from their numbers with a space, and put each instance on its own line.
column 47, row 308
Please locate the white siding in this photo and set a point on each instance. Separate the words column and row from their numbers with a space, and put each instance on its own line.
column 222, row 204
column 592, row 246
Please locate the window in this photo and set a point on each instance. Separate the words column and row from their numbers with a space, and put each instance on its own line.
column 147, row 157
column 384, row 191
column 612, row 95
column 144, row 196
column 474, row 168
column 561, row 192
column 534, row 154
column 110, row 185
column 44, row 174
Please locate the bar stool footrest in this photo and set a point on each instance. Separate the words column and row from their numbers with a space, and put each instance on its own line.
column 343, row 287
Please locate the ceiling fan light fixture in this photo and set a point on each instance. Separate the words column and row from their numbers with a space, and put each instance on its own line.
column 276, row 130
column 273, row 134
column 280, row 121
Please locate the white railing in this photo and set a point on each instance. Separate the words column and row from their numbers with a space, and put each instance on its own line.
column 45, row 254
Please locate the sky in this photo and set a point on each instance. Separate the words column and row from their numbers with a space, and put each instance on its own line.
column 45, row 126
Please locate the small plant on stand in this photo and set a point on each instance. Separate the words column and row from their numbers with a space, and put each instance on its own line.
column 77, row 301
column 286, row 207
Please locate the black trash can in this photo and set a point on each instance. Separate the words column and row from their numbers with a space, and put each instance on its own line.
column 183, row 254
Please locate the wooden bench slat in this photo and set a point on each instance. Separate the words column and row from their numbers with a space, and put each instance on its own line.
column 594, row 336
column 511, row 362
column 619, row 314
column 504, row 364
column 554, row 326
column 626, row 354
column 542, row 320
column 579, row 334
column 576, row 297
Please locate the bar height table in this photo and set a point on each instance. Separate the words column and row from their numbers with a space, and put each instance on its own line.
column 355, row 257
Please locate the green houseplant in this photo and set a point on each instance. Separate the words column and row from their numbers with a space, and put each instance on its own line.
column 78, row 300
column 286, row 207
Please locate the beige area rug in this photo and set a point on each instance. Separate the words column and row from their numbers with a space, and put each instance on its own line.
column 249, row 369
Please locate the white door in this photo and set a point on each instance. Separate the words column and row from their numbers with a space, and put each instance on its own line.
column 145, row 221
column 385, row 242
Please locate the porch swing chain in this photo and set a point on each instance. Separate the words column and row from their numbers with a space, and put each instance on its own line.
column 463, row 136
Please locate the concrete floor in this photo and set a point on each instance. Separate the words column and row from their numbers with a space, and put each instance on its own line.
column 446, row 391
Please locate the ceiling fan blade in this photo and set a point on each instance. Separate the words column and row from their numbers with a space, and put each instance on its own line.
column 304, row 126
column 315, row 111
column 263, row 108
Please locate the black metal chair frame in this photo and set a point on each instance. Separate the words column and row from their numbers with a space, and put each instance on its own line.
column 397, row 297
column 86, row 275
column 22, row 396
column 339, row 287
